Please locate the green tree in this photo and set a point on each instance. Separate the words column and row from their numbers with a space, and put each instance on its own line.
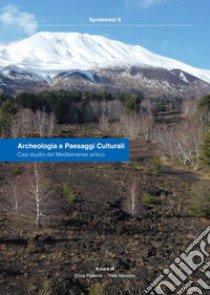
column 204, row 107
column 133, row 103
column 206, row 149
column 29, row 101
column 4, row 97
column 8, row 108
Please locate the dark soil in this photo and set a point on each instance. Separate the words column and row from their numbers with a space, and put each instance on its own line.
column 95, row 231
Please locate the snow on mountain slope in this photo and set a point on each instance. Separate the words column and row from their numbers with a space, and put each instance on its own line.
column 50, row 53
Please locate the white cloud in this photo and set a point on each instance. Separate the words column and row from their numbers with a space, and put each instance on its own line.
column 11, row 16
column 142, row 3
column 148, row 3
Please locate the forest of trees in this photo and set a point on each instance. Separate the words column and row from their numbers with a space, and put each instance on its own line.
column 38, row 115
column 68, row 106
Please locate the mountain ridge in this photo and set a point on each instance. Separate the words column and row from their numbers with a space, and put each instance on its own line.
column 44, row 57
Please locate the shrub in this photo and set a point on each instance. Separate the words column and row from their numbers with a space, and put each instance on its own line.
column 69, row 193
column 20, row 222
column 142, row 170
column 97, row 289
column 200, row 200
column 101, row 168
column 156, row 169
column 17, row 171
column 148, row 199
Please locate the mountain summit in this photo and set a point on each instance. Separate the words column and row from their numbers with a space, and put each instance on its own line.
column 51, row 57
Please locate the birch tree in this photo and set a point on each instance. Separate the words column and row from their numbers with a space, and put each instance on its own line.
column 12, row 200
column 40, row 197
column 51, row 124
column 129, row 126
column 32, row 197
column 40, row 122
column 22, row 123
column 104, row 123
column 25, row 122
column 183, row 143
column 189, row 107
column 132, row 201
column 147, row 124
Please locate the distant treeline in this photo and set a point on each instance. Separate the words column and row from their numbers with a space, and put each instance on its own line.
column 69, row 106
column 81, row 106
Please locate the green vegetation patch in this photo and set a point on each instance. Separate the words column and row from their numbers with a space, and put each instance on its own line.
column 69, row 193
column 148, row 199
column 200, row 200
column 97, row 289
column 156, row 166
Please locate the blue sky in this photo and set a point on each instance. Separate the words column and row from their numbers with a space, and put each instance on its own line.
column 190, row 44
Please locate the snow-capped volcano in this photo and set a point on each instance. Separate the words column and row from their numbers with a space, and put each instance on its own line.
column 48, row 55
